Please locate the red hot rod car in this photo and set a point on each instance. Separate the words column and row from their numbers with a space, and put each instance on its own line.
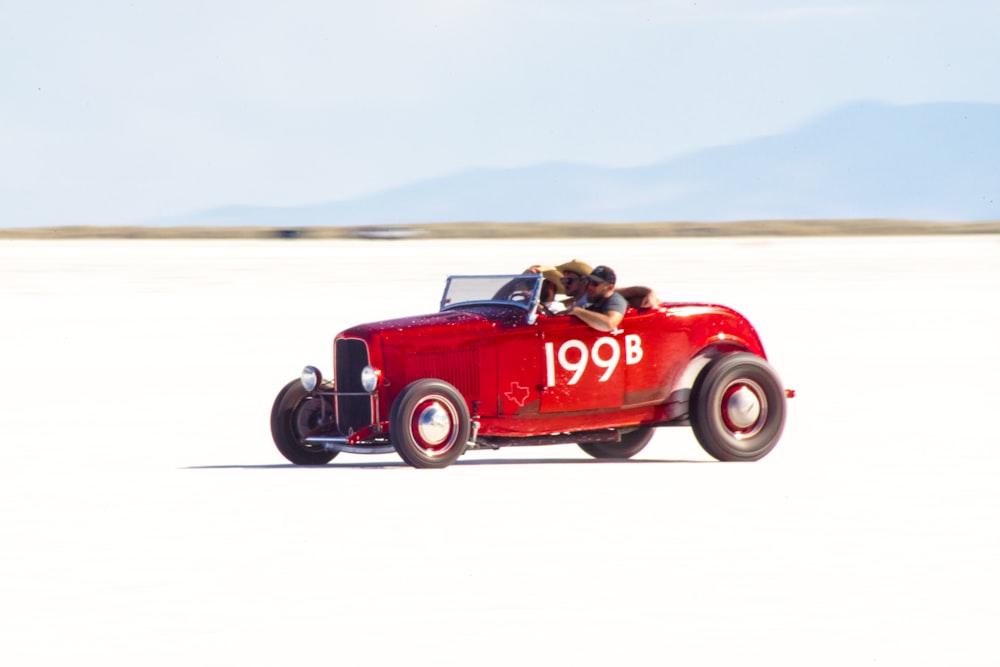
column 491, row 369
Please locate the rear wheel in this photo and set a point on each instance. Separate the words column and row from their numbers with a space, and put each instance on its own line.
column 631, row 444
column 738, row 408
column 294, row 414
column 429, row 424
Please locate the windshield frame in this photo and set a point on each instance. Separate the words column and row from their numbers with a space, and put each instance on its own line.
column 493, row 293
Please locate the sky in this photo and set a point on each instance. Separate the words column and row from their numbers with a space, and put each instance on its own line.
column 122, row 111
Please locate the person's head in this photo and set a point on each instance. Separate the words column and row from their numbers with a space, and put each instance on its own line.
column 551, row 284
column 574, row 277
column 601, row 282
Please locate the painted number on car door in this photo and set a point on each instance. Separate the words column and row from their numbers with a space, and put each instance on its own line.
column 603, row 356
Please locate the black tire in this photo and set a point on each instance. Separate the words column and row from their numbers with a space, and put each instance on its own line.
column 295, row 412
column 429, row 424
column 631, row 444
column 738, row 408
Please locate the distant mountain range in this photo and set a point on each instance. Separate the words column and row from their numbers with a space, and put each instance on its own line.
column 936, row 162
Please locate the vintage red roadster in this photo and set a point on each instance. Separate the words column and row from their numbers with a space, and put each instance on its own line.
column 491, row 369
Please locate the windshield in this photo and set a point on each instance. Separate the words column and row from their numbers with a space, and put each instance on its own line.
column 521, row 291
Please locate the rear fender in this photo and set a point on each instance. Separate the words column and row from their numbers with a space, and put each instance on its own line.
column 680, row 395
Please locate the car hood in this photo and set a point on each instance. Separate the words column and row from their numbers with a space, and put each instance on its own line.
column 439, row 325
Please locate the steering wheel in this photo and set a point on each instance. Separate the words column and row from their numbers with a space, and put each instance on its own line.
column 520, row 296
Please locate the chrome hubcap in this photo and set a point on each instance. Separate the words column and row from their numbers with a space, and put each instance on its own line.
column 434, row 424
column 744, row 409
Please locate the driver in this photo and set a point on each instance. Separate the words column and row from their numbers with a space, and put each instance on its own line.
column 552, row 285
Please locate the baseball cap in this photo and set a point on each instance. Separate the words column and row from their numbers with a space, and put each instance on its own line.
column 602, row 274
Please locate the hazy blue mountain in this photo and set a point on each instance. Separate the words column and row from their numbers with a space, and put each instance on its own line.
column 867, row 160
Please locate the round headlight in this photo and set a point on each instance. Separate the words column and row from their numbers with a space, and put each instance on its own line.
column 369, row 378
column 311, row 378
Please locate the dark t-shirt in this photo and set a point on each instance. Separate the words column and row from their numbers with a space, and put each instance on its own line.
column 614, row 303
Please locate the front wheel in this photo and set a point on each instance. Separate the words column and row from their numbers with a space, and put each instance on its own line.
column 429, row 424
column 738, row 408
column 630, row 445
column 294, row 414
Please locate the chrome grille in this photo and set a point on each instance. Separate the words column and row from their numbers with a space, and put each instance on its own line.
column 353, row 412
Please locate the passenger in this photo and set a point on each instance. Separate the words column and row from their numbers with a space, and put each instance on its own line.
column 574, row 281
column 605, row 307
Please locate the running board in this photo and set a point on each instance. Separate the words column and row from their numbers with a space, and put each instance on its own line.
column 341, row 444
column 493, row 442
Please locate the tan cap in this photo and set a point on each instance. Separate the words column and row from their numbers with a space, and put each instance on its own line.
column 554, row 276
column 549, row 273
column 577, row 267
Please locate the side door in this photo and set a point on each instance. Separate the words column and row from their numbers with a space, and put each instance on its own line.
column 582, row 368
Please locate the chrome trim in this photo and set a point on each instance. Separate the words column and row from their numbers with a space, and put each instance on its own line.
column 370, row 376
column 310, row 378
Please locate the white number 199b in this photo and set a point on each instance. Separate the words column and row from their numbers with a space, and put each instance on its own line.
column 606, row 352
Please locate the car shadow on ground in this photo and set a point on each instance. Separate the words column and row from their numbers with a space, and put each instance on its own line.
column 377, row 465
